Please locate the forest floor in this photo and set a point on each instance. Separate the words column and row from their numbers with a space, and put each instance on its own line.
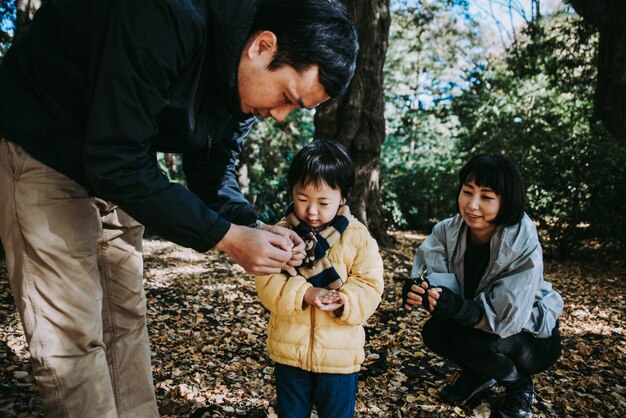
column 207, row 331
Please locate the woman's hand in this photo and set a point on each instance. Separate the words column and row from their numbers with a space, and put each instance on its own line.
column 413, row 294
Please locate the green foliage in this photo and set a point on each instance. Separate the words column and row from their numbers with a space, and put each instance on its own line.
column 448, row 100
column 172, row 166
column 419, row 172
column 431, row 49
column 536, row 107
column 8, row 15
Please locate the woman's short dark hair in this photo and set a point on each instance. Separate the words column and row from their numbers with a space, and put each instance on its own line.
column 502, row 176
column 312, row 32
column 323, row 161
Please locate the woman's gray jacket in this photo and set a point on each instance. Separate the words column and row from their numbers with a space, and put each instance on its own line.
column 512, row 292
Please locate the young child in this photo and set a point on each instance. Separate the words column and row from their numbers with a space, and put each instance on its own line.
column 315, row 333
column 492, row 312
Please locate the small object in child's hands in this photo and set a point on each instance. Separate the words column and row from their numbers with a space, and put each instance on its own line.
column 330, row 297
column 310, row 242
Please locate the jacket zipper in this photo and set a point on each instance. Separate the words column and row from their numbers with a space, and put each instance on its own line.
column 312, row 339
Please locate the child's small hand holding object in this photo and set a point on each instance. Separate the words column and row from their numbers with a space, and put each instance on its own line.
column 324, row 299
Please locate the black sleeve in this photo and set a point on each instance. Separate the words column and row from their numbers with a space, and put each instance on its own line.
column 147, row 45
column 214, row 178
column 465, row 312
column 470, row 313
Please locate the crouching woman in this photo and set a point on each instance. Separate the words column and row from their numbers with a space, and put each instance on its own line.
column 492, row 312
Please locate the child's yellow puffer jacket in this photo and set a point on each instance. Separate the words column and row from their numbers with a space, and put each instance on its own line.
column 315, row 340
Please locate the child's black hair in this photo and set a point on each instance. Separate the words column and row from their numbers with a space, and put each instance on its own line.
column 323, row 161
column 502, row 176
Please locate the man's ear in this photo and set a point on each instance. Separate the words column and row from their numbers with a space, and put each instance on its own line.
column 262, row 42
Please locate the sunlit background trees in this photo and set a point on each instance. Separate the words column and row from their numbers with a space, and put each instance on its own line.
column 517, row 77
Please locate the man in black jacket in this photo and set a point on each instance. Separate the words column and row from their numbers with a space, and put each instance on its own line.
column 90, row 92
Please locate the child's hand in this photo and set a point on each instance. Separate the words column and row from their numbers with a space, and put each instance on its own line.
column 324, row 299
column 333, row 300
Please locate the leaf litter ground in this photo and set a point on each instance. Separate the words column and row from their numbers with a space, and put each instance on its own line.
column 207, row 331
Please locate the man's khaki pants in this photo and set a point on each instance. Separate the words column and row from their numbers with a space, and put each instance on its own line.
column 76, row 271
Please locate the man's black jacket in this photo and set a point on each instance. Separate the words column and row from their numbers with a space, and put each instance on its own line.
column 94, row 88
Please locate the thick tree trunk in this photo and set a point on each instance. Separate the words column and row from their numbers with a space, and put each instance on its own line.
column 610, row 96
column 357, row 119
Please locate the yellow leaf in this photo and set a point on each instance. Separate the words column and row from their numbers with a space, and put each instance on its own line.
column 482, row 411
column 459, row 411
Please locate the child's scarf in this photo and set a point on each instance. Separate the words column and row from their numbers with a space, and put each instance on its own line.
column 316, row 267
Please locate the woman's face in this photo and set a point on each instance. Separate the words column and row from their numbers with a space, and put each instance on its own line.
column 479, row 206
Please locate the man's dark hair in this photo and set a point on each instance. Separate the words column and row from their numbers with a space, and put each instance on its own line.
column 323, row 162
column 311, row 32
column 500, row 174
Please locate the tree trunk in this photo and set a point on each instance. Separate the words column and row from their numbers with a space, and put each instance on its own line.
column 357, row 119
column 610, row 96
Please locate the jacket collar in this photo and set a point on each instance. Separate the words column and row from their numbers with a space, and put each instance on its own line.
column 507, row 243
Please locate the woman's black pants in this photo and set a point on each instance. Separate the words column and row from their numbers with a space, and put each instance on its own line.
column 488, row 354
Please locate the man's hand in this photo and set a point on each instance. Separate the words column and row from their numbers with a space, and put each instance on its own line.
column 259, row 252
column 297, row 252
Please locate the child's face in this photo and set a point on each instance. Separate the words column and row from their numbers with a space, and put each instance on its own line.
column 479, row 206
column 316, row 205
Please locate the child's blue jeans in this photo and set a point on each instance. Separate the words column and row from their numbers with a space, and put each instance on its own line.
column 334, row 395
